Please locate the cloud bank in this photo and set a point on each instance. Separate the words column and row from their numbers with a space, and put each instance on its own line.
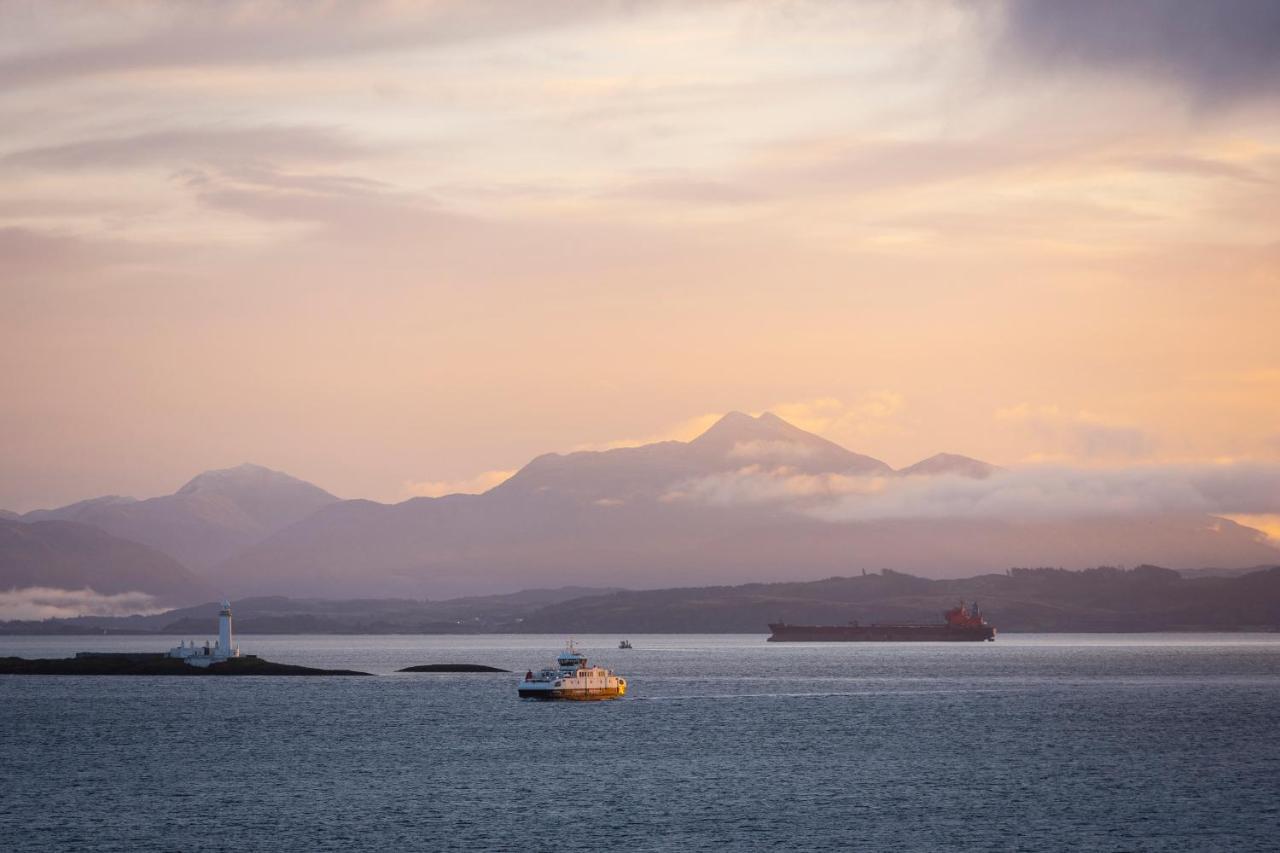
column 1219, row 51
column 1040, row 492
column 37, row 602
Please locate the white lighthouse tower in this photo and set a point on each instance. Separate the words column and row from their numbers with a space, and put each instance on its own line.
column 210, row 654
column 225, row 649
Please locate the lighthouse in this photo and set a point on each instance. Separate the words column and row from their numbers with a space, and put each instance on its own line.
column 225, row 649
column 207, row 654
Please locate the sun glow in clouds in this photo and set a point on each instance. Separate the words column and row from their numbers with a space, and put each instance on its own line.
column 248, row 230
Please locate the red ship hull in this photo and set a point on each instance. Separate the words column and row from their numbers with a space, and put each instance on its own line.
column 783, row 633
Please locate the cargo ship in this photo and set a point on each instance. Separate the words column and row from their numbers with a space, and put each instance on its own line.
column 960, row 624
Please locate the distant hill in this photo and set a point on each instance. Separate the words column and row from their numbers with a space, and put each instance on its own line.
column 71, row 555
column 282, row 615
column 212, row 517
column 1148, row 598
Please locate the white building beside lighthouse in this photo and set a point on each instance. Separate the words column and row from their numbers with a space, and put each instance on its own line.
column 220, row 650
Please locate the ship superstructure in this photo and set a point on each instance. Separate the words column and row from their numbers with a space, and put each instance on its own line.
column 572, row 679
column 964, row 623
column 210, row 653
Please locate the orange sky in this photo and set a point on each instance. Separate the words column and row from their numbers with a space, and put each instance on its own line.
column 391, row 247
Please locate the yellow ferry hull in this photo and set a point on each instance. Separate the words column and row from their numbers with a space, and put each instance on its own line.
column 598, row 694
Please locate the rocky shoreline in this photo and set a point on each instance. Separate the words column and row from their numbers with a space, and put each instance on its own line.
column 154, row 664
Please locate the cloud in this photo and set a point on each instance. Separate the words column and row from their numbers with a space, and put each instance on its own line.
column 1222, row 50
column 35, row 602
column 871, row 414
column 760, row 484
column 1201, row 167
column 347, row 204
column 1266, row 523
column 1080, row 435
column 683, row 431
column 470, row 486
column 685, row 190
column 230, row 146
column 151, row 36
column 1040, row 492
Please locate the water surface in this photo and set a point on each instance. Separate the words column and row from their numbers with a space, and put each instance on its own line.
column 1052, row 742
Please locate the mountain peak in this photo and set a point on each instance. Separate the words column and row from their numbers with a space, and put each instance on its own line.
column 951, row 463
column 246, row 474
column 769, row 440
column 739, row 426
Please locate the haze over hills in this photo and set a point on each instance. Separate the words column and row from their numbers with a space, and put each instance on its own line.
column 212, row 517
column 1147, row 598
column 73, row 556
column 751, row 499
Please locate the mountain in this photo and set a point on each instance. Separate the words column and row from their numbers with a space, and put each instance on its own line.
column 9, row 515
column 648, row 472
column 73, row 556
column 732, row 505
column 950, row 464
column 215, row 515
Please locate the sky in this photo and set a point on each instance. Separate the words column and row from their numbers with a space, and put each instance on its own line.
column 398, row 249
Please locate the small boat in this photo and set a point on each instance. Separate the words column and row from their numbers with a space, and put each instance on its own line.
column 624, row 644
column 571, row 679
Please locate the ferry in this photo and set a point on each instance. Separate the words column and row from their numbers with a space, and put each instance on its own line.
column 571, row 679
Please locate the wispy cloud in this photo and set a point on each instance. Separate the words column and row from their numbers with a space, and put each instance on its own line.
column 156, row 36
column 230, row 146
column 1078, row 435
column 684, row 430
column 872, row 414
column 1038, row 492
column 35, row 602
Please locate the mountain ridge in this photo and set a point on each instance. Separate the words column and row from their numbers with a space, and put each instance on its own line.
column 623, row 517
column 737, row 503
column 211, row 517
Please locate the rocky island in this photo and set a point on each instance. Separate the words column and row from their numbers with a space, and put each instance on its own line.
column 157, row 663
column 219, row 657
column 452, row 667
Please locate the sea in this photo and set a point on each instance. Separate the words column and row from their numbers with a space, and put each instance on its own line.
column 1031, row 743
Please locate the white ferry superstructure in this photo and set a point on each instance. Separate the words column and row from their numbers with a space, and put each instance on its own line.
column 573, row 680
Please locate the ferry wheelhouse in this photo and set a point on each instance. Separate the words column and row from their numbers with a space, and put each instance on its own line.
column 572, row 679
